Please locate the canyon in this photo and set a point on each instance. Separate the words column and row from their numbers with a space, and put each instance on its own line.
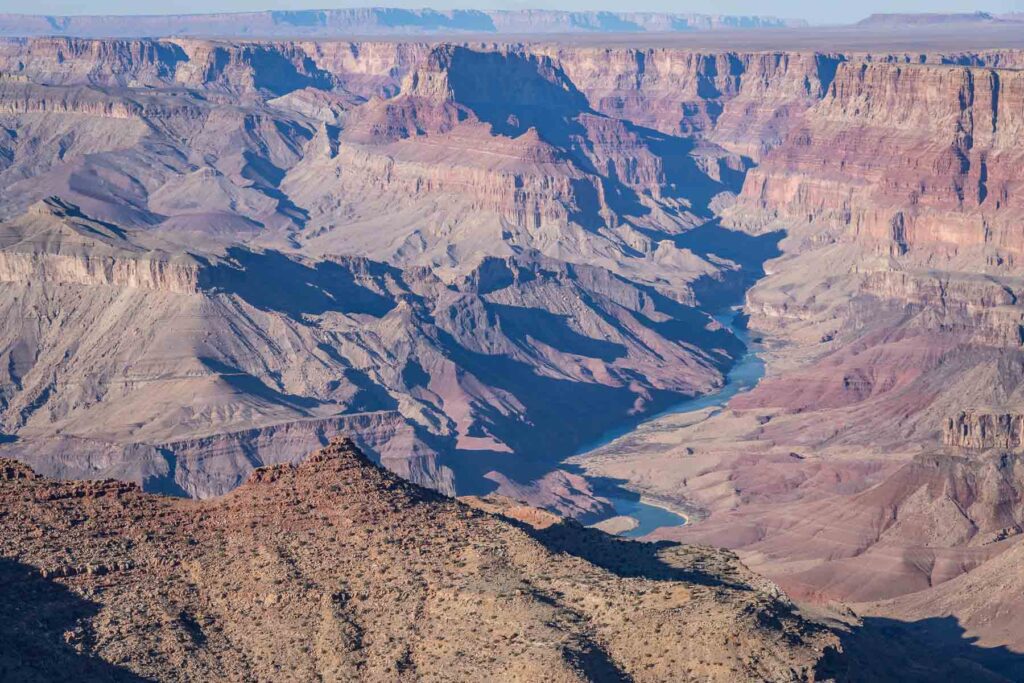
column 876, row 465
column 486, row 260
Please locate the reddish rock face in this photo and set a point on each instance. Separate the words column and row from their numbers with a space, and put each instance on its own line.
column 907, row 157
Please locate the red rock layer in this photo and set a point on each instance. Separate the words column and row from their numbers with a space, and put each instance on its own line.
column 905, row 158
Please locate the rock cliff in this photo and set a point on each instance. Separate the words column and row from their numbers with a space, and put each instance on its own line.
column 977, row 430
column 905, row 157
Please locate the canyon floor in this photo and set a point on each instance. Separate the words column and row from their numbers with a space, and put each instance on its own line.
column 479, row 258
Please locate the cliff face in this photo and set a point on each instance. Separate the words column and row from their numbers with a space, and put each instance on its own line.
column 741, row 100
column 903, row 208
column 115, row 62
column 976, row 430
column 239, row 68
column 54, row 243
column 905, row 157
column 90, row 270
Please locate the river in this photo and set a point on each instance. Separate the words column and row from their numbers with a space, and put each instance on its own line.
column 743, row 376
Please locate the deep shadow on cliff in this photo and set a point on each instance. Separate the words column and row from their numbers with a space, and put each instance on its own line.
column 659, row 561
column 39, row 631
column 546, row 100
column 543, row 98
column 749, row 252
column 272, row 281
column 924, row 651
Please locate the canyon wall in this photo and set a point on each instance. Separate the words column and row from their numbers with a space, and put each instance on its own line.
column 974, row 430
column 905, row 157
column 572, row 185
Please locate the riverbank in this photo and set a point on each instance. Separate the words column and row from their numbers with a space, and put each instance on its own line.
column 650, row 513
column 632, row 527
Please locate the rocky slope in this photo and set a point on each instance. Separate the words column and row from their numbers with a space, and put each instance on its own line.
column 336, row 569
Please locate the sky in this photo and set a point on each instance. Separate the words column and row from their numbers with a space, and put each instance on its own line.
column 815, row 11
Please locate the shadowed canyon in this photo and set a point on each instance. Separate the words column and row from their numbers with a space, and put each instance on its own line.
column 774, row 292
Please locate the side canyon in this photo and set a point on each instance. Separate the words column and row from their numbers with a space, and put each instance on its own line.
column 477, row 257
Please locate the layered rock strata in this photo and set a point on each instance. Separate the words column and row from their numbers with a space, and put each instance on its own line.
column 292, row 233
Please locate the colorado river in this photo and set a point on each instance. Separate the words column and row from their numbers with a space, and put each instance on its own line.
column 744, row 375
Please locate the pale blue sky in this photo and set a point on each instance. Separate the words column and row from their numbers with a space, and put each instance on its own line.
column 816, row 11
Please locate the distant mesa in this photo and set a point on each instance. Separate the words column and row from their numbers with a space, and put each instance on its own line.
column 925, row 19
column 376, row 21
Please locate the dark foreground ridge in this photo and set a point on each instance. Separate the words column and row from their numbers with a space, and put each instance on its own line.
column 336, row 569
